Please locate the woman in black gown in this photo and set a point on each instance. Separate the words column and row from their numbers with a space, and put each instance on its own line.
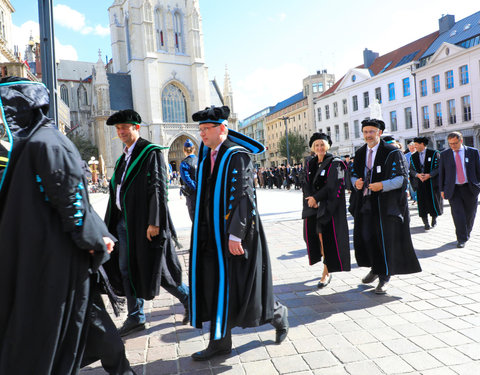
column 324, row 209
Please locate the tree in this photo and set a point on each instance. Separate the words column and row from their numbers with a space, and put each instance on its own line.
column 84, row 146
column 296, row 145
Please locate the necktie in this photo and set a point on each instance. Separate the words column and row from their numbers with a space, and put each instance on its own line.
column 213, row 156
column 458, row 165
column 369, row 171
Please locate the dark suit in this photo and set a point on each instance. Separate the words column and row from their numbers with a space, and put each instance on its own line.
column 463, row 198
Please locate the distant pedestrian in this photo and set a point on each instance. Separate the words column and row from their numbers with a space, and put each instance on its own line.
column 408, row 154
column 324, row 210
column 381, row 234
column 424, row 169
column 188, row 176
column 52, row 316
column 460, row 184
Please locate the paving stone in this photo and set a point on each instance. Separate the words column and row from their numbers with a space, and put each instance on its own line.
column 307, row 345
column 467, row 368
column 471, row 350
column 362, row 368
column 453, row 338
column 290, row 364
column 393, row 365
column 427, row 342
column 336, row 370
column 421, row 361
column 449, row 356
column 375, row 350
column 347, row 354
column 320, row 359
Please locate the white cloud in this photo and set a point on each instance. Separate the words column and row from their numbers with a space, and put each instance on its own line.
column 21, row 36
column 265, row 87
column 74, row 20
column 68, row 17
column 102, row 31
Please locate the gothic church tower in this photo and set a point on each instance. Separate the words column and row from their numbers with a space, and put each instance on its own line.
column 159, row 43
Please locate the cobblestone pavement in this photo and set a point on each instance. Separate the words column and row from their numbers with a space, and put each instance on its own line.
column 428, row 323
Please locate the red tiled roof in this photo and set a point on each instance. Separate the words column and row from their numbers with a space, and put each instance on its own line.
column 420, row 45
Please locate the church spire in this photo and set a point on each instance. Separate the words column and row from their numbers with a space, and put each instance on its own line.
column 227, row 90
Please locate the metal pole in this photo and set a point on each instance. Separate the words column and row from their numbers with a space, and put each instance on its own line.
column 47, row 50
column 285, row 118
column 416, row 101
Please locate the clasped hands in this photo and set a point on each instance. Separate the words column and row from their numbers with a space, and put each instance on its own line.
column 423, row 176
column 374, row 186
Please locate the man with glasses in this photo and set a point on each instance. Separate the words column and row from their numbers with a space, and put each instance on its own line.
column 459, row 183
column 230, row 274
column 379, row 206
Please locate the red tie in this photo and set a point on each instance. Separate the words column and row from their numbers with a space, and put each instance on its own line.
column 213, row 156
column 458, row 165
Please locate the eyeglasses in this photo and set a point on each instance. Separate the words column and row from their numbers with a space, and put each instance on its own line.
column 205, row 129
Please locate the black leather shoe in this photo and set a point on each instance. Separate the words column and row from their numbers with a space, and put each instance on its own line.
column 427, row 226
column 186, row 315
column 130, row 326
column 214, row 349
column 369, row 278
column 434, row 222
column 323, row 284
column 281, row 333
column 460, row 244
column 205, row 355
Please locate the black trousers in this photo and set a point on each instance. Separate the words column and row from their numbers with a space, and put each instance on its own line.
column 371, row 235
column 463, row 205
column 190, row 201
column 103, row 341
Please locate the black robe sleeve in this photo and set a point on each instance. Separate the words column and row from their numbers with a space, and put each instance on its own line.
column 240, row 195
column 60, row 179
column 157, row 191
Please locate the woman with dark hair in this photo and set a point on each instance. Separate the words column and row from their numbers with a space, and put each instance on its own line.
column 324, row 209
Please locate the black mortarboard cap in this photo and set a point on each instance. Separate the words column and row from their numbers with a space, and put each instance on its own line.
column 423, row 140
column 316, row 136
column 127, row 116
column 216, row 115
column 374, row 122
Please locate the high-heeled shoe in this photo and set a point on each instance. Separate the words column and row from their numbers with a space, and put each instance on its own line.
column 323, row 284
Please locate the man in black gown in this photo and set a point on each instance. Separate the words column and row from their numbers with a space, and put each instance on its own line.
column 52, row 317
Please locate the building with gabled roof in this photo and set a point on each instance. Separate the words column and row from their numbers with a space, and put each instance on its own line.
column 448, row 78
column 386, row 79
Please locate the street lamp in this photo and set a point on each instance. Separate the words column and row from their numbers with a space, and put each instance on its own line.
column 414, row 74
column 285, row 118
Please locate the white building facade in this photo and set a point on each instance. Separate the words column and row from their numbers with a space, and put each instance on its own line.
column 449, row 95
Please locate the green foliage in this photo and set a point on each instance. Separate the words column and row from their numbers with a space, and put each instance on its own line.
column 84, row 146
column 296, row 144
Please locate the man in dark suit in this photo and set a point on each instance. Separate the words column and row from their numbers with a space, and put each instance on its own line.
column 459, row 183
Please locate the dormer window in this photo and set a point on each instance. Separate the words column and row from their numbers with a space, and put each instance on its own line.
column 467, row 26
column 453, row 33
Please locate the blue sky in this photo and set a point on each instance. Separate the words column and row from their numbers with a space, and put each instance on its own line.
column 268, row 45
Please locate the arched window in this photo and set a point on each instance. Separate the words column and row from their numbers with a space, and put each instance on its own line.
column 159, row 33
column 178, row 32
column 82, row 96
column 174, row 107
column 64, row 94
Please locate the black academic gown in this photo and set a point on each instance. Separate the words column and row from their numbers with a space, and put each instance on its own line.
column 229, row 290
column 326, row 183
column 144, row 202
column 47, row 228
column 429, row 198
column 384, row 215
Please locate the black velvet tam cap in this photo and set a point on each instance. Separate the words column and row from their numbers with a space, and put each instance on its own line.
column 127, row 116
column 374, row 122
column 389, row 139
column 316, row 136
column 216, row 115
column 423, row 140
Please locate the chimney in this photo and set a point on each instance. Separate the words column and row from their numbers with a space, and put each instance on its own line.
column 318, row 72
column 369, row 57
column 446, row 22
